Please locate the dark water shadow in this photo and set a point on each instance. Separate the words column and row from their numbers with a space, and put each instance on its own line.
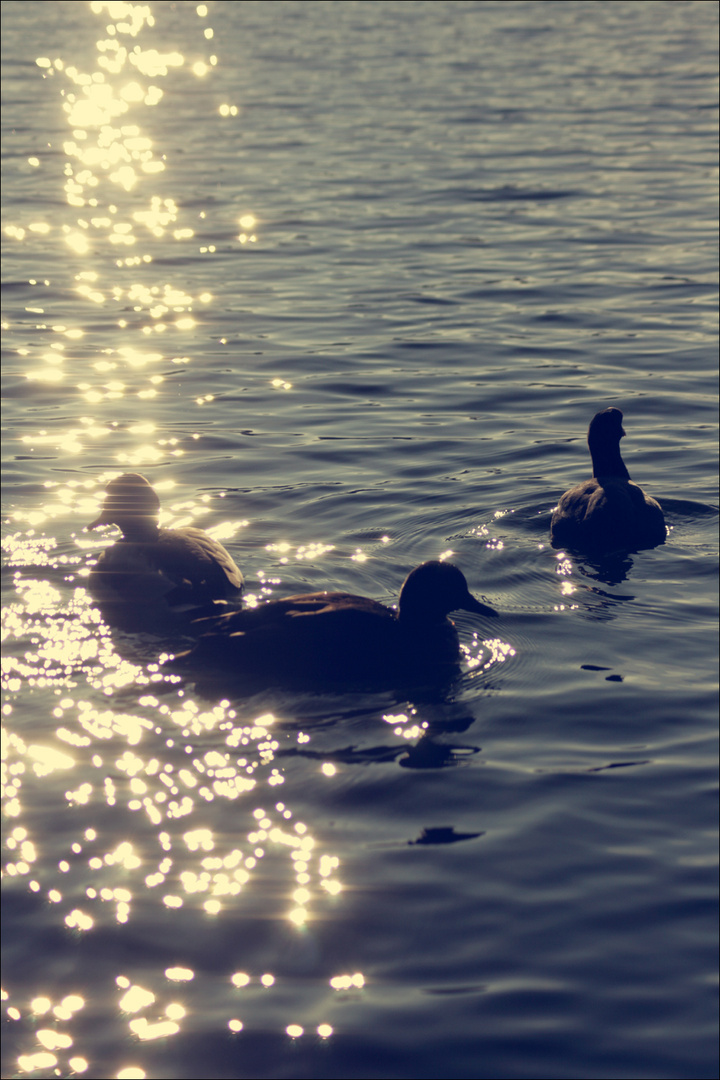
column 610, row 571
column 425, row 754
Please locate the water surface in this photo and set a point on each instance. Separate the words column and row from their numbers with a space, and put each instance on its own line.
column 347, row 282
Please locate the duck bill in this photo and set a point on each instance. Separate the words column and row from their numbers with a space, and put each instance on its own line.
column 471, row 604
column 101, row 520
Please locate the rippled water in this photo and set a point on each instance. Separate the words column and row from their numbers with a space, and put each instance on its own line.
column 347, row 282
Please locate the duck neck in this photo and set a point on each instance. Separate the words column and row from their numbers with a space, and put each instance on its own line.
column 412, row 614
column 607, row 460
column 140, row 530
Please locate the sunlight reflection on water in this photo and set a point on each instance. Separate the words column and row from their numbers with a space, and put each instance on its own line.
column 349, row 292
column 109, row 163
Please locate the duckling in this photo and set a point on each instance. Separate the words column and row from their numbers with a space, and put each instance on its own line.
column 609, row 512
column 148, row 566
column 326, row 639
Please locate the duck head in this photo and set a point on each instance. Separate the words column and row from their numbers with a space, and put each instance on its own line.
column 434, row 589
column 132, row 505
column 606, row 425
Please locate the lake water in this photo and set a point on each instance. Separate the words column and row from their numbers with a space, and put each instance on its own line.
column 346, row 282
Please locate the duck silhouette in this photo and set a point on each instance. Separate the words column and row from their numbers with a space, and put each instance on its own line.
column 326, row 639
column 150, row 567
column 609, row 512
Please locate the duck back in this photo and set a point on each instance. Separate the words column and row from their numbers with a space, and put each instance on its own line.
column 182, row 566
column 606, row 515
column 333, row 639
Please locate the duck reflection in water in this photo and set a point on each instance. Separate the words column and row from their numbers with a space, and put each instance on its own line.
column 608, row 513
column 150, row 573
column 327, row 640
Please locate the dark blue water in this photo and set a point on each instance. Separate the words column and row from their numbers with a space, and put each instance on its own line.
column 349, row 295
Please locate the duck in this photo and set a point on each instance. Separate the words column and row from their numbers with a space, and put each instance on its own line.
column 154, row 568
column 608, row 513
column 336, row 639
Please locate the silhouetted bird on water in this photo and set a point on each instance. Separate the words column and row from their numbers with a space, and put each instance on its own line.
column 151, row 571
column 330, row 639
column 609, row 512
